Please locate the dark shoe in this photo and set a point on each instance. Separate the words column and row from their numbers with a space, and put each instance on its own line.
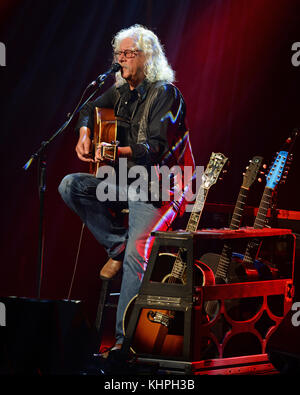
column 110, row 269
column 106, row 354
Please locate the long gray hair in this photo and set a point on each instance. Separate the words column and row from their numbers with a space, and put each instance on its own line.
column 157, row 67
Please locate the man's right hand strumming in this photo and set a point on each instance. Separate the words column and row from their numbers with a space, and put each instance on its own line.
column 84, row 145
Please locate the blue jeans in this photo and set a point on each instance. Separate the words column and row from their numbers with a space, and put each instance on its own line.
column 132, row 245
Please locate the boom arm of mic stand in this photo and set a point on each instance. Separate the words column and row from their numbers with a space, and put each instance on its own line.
column 44, row 144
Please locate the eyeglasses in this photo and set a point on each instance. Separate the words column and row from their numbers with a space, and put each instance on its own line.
column 128, row 53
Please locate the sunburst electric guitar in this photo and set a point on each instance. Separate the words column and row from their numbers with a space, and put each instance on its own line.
column 158, row 331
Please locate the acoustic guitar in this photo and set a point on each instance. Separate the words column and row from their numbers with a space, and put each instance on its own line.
column 160, row 331
column 104, row 136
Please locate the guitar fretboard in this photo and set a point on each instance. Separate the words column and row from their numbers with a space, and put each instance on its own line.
column 195, row 216
column 259, row 223
column 261, row 216
column 179, row 266
column 225, row 258
column 239, row 209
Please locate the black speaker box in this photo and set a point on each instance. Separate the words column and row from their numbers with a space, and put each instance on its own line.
column 284, row 345
column 41, row 337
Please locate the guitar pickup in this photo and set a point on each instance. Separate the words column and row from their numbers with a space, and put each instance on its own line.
column 158, row 318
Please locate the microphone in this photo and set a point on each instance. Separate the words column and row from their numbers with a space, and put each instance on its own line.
column 114, row 68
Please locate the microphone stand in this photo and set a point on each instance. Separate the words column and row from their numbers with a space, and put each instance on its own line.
column 40, row 154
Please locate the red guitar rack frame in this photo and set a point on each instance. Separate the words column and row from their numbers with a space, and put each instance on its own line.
column 236, row 340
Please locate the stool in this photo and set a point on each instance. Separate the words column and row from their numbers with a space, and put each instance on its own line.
column 103, row 304
column 104, row 295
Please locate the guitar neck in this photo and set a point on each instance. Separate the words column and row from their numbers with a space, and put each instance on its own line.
column 195, row 216
column 179, row 265
column 239, row 209
column 259, row 223
column 225, row 258
column 265, row 203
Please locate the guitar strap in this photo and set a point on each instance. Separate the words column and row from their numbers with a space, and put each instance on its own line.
column 152, row 94
column 143, row 124
column 142, row 133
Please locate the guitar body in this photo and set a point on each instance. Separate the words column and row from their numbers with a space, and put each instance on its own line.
column 151, row 336
column 105, row 131
column 238, row 272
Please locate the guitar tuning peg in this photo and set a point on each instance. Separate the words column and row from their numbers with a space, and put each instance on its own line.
column 264, row 166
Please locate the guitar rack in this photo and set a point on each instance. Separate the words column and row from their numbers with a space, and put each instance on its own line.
column 215, row 346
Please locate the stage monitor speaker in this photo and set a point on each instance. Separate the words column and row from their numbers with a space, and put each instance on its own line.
column 44, row 337
column 284, row 345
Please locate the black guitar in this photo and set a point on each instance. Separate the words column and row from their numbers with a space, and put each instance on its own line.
column 277, row 174
column 220, row 264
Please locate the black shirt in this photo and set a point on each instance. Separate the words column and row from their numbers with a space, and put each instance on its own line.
column 165, row 122
column 167, row 140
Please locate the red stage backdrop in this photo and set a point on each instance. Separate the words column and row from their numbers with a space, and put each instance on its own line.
column 233, row 65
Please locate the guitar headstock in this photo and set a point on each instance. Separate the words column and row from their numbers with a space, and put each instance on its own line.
column 281, row 165
column 214, row 168
column 277, row 169
column 251, row 171
column 286, row 168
